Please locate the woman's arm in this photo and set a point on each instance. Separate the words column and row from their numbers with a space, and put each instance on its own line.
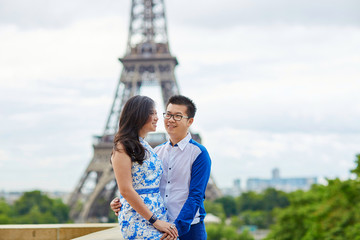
column 122, row 168
column 121, row 163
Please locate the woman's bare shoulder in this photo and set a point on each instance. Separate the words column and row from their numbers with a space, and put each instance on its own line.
column 119, row 152
column 119, row 147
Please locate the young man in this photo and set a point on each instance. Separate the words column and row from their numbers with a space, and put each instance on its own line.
column 186, row 166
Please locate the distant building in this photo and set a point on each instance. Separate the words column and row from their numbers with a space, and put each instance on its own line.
column 11, row 197
column 234, row 191
column 64, row 196
column 283, row 184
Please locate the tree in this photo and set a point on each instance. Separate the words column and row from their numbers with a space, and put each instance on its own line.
column 273, row 198
column 36, row 208
column 112, row 218
column 236, row 222
column 223, row 232
column 261, row 219
column 356, row 170
column 257, row 208
column 5, row 212
column 266, row 201
column 324, row 212
column 29, row 199
column 214, row 208
column 249, row 201
column 229, row 205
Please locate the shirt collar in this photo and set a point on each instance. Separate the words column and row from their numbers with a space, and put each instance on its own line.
column 182, row 144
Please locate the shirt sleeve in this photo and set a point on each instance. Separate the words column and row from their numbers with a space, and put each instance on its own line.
column 200, row 174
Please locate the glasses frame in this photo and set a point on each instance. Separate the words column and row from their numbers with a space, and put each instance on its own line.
column 173, row 116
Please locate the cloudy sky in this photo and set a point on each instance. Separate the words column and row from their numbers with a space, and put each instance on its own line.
column 276, row 84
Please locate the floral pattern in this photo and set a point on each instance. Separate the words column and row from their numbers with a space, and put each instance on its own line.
column 145, row 176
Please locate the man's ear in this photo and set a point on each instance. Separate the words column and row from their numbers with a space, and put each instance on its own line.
column 190, row 121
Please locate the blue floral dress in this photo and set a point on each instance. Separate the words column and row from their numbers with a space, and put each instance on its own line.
column 145, row 180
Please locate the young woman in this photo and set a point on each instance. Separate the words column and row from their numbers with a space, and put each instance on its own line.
column 138, row 172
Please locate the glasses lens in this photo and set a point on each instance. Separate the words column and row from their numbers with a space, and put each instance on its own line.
column 166, row 115
column 178, row 117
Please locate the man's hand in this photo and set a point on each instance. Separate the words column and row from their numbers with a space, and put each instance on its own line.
column 169, row 230
column 166, row 236
column 116, row 205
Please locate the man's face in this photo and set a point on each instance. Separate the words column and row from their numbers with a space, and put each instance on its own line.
column 177, row 129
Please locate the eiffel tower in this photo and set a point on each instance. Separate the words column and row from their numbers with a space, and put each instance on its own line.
column 147, row 61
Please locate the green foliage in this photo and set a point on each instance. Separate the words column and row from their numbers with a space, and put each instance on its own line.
column 257, row 208
column 245, row 235
column 60, row 211
column 34, row 208
column 112, row 218
column 267, row 201
column 324, row 212
column 236, row 222
column 250, row 208
column 229, row 205
column 29, row 199
column 5, row 212
column 5, row 208
column 35, row 216
column 223, row 232
column 249, row 201
column 356, row 170
column 261, row 219
column 273, row 198
column 214, row 208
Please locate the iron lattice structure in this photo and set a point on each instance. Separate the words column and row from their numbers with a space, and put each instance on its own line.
column 147, row 61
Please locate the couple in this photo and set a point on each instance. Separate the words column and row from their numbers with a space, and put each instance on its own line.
column 162, row 190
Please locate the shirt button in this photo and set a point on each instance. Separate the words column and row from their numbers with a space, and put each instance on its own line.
column 169, row 168
column 166, row 195
column 168, row 181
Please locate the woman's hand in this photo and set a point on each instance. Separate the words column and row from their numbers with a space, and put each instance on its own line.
column 116, row 205
column 166, row 227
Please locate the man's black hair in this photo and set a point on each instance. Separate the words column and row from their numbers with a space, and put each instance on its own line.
column 182, row 100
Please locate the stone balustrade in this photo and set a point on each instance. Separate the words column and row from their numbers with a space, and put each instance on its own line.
column 54, row 231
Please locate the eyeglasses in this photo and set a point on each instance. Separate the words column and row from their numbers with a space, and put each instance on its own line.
column 176, row 117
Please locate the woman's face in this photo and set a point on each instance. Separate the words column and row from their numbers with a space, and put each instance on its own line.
column 150, row 125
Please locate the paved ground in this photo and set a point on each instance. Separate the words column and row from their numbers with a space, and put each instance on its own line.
column 109, row 234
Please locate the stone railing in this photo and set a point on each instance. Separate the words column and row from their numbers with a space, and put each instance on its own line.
column 55, row 231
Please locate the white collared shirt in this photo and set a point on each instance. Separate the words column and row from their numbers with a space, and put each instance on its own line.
column 177, row 164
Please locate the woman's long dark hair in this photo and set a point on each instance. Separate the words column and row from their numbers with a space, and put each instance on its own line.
column 134, row 115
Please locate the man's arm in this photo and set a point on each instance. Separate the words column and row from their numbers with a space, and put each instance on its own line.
column 116, row 206
column 200, row 174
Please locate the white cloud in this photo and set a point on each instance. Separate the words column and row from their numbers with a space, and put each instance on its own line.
column 281, row 106
column 274, row 88
column 49, row 14
column 256, row 153
column 4, row 157
column 86, row 49
column 211, row 14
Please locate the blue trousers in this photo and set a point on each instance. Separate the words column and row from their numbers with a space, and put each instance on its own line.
column 197, row 232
